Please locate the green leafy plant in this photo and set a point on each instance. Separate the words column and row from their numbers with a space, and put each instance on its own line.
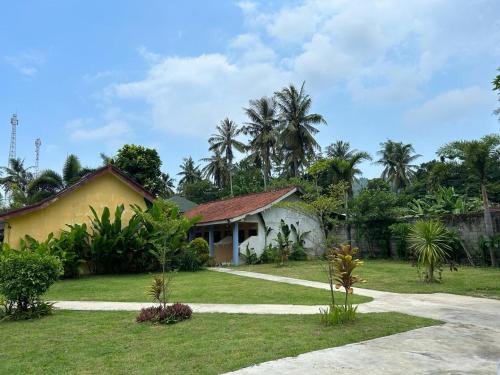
column 250, row 256
column 24, row 277
column 298, row 250
column 283, row 243
column 195, row 256
column 430, row 241
column 340, row 266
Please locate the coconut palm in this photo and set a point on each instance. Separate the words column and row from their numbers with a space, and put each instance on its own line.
column 478, row 156
column 341, row 150
column 189, row 171
column 297, row 130
column 225, row 142
column 216, row 168
column 397, row 159
column 430, row 241
column 262, row 128
column 16, row 178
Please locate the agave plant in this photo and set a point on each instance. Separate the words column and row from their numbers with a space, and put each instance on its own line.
column 430, row 241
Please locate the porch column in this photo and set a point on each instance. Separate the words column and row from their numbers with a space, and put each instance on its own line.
column 236, row 245
column 211, row 249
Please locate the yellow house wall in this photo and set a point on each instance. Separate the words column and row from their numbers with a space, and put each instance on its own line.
column 73, row 208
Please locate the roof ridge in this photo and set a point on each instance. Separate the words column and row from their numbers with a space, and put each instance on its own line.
column 247, row 195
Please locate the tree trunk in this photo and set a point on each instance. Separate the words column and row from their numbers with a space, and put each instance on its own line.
column 430, row 273
column 488, row 223
column 231, row 177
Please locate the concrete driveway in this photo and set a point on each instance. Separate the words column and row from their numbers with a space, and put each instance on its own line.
column 468, row 342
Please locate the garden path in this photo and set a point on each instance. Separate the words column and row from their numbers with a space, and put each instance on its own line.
column 468, row 342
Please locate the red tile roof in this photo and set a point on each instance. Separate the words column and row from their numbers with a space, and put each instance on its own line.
column 84, row 180
column 232, row 208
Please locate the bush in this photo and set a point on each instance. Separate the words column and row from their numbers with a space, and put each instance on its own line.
column 268, row 255
column 338, row 314
column 195, row 256
column 250, row 256
column 165, row 315
column 24, row 277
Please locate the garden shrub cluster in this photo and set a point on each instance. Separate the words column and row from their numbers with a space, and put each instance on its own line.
column 108, row 245
column 24, row 277
column 165, row 315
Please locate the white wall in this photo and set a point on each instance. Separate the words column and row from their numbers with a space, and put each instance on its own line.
column 272, row 218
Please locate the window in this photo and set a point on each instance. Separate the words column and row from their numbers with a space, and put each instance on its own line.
column 252, row 232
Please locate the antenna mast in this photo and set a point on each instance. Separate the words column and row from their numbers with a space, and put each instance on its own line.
column 12, row 150
column 38, row 143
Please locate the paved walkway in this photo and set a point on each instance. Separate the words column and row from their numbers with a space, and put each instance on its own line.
column 468, row 343
column 197, row 307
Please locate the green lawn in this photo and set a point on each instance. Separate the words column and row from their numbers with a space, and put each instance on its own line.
column 399, row 277
column 112, row 343
column 201, row 287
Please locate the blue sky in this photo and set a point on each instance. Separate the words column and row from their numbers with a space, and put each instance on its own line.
column 88, row 76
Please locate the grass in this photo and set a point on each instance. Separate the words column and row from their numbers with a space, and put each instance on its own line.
column 401, row 277
column 194, row 287
column 112, row 343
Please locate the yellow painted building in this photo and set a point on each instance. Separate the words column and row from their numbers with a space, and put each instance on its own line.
column 106, row 187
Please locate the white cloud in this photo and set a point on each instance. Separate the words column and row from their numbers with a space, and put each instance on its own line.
column 26, row 62
column 191, row 95
column 452, row 106
column 112, row 128
column 377, row 51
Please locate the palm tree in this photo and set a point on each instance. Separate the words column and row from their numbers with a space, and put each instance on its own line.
column 430, row 240
column 72, row 170
column 297, row 130
column 340, row 149
column 478, row 156
column 189, row 172
column 262, row 127
column 225, row 141
column 216, row 168
column 397, row 159
column 16, row 180
column 167, row 189
column 47, row 183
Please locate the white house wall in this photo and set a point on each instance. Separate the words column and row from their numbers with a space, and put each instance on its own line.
column 272, row 218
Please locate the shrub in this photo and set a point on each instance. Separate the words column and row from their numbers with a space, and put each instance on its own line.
column 250, row 256
column 195, row 256
column 268, row 255
column 430, row 240
column 337, row 314
column 165, row 315
column 24, row 277
column 179, row 311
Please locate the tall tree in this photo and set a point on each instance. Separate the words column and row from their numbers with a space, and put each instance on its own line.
column 397, row 159
column 189, row 171
column 15, row 181
column 216, row 168
column 225, row 142
column 141, row 164
column 478, row 156
column 72, row 170
column 167, row 186
column 262, row 128
column 496, row 87
column 340, row 149
column 297, row 130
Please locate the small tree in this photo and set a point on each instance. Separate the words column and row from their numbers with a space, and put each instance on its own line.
column 168, row 231
column 430, row 240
